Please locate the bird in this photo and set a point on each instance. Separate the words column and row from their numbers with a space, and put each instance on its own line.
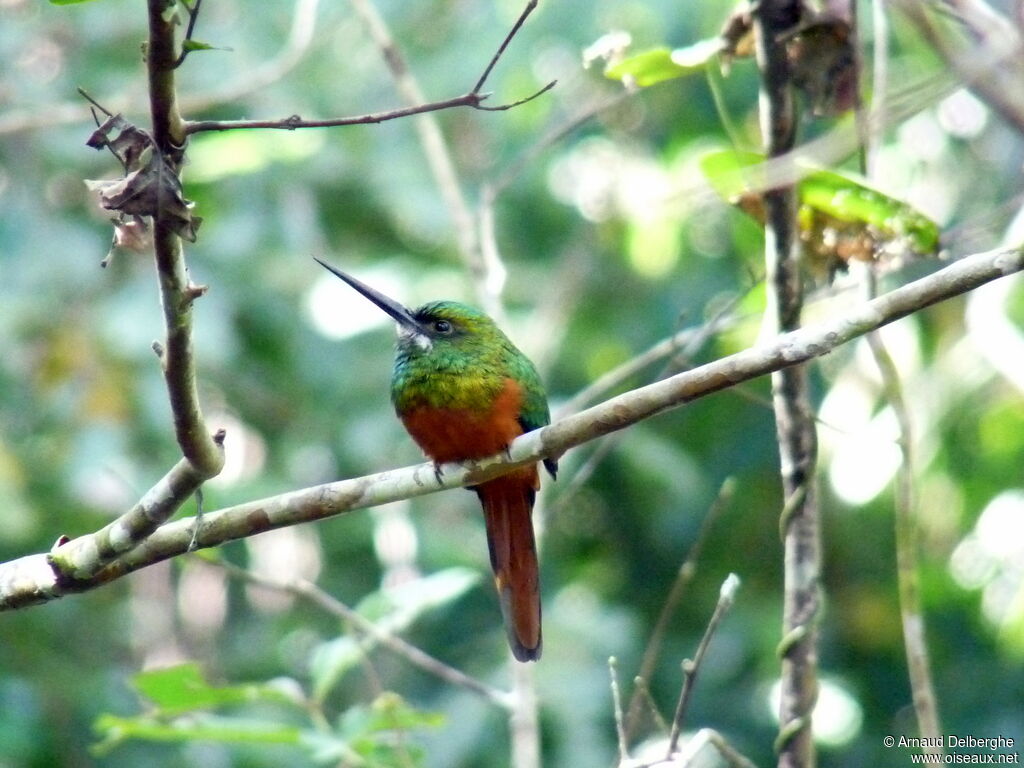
column 464, row 391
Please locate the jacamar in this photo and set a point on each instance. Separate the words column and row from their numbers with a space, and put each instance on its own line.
column 463, row 391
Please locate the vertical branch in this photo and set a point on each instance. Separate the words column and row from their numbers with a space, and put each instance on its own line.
column 176, row 291
column 791, row 399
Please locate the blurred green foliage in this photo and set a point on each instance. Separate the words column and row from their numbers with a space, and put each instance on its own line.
column 611, row 242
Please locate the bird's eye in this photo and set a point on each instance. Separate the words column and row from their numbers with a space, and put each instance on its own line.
column 442, row 326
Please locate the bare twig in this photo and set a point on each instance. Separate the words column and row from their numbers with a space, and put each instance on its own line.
column 692, row 666
column 642, row 691
column 911, row 611
column 415, row 656
column 620, row 723
column 527, row 10
column 193, row 17
column 879, row 82
column 733, row 758
column 31, row 580
column 295, row 121
column 683, row 578
column 473, row 99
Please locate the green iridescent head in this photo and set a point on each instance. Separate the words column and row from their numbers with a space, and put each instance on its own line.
column 442, row 327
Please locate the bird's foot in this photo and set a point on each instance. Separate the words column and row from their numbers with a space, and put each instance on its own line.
column 438, row 472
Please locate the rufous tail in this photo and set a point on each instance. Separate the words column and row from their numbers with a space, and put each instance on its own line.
column 508, row 504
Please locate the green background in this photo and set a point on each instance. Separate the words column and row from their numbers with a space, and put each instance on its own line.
column 611, row 241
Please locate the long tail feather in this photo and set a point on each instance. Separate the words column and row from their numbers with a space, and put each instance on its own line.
column 508, row 504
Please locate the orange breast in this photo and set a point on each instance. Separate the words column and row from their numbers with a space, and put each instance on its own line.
column 457, row 434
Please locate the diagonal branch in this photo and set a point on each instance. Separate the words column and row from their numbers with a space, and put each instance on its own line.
column 30, row 580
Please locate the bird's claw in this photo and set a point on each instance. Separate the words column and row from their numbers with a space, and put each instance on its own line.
column 438, row 472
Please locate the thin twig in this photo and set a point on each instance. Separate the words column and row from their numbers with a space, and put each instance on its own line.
column 713, row 71
column 295, row 121
column 620, row 725
column 473, row 99
column 193, row 17
column 879, row 82
column 504, row 44
column 911, row 610
column 642, row 691
column 541, row 91
column 683, row 578
column 82, row 92
column 31, row 579
column 691, row 667
column 415, row 656
column 733, row 758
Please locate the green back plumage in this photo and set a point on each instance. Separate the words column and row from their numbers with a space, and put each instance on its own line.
column 462, row 364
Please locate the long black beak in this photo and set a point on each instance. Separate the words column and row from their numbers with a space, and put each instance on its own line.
column 400, row 313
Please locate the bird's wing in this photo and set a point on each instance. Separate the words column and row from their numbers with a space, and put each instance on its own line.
column 534, row 413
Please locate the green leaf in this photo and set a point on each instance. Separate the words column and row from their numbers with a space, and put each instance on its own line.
column 115, row 730
column 827, row 198
column 183, row 689
column 660, row 64
column 69, row 2
column 848, row 199
column 197, row 45
column 733, row 172
column 393, row 610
